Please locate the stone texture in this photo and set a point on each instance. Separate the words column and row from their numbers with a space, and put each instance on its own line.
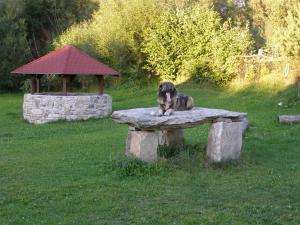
column 224, row 141
column 43, row 108
column 246, row 124
column 289, row 119
column 142, row 144
column 145, row 118
column 147, row 131
column 170, row 137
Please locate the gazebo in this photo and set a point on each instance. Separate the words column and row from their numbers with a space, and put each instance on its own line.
column 66, row 62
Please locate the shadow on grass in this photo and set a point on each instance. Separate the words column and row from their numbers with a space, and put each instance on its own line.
column 192, row 158
column 187, row 158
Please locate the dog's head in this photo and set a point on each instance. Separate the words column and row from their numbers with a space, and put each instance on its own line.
column 167, row 90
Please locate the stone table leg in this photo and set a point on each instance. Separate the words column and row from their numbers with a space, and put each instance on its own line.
column 171, row 137
column 144, row 144
column 225, row 141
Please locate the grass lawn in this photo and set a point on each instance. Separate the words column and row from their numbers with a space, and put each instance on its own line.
column 76, row 172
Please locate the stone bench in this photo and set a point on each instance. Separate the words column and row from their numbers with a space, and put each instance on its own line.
column 147, row 131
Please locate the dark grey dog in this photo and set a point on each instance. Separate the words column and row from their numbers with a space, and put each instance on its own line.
column 169, row 100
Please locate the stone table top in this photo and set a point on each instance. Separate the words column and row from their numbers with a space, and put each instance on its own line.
column 145, row 118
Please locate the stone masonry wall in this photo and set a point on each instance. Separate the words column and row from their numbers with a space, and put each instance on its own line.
column 43, row 108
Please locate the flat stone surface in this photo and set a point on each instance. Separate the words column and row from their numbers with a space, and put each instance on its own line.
column 143, row 118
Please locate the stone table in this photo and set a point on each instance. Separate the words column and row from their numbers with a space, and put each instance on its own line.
column 147, row 131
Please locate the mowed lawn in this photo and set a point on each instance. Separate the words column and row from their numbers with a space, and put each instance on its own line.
column 76, row 172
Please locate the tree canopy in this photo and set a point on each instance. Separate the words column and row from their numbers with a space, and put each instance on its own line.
column 164, row 39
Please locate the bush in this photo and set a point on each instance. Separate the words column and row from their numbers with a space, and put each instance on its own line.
column 192, row 42
column 289, row 34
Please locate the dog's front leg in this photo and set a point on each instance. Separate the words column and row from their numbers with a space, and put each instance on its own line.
column 169, row 112
column 160, row 112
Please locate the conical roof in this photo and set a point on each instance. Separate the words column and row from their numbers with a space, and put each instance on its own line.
column 66, row 60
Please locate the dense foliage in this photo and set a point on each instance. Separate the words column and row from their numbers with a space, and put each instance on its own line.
column 180, row 40
column 288, row 35
column 45, row 19
column 115, row 33
column 277, row 25
column 193, row 42
column 27, row 28
column 14, row 48
column 165, row 39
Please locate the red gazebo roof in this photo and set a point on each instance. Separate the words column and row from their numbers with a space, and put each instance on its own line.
column 66, row 60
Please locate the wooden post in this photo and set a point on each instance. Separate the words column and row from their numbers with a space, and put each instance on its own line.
column 66, row 83
column 33, row 84
column 38, row 83
column 64, row 77
column 100, row 84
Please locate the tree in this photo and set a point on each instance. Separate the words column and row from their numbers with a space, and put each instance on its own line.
column 13, row 44
column 45, row 19
column 193, row 43
column 115, row 33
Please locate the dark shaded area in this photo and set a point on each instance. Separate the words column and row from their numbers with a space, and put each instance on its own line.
column 27, row 29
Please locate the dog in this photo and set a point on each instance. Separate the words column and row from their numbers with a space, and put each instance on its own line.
column 169, row 100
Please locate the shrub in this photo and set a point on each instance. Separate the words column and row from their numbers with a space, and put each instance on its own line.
column 192, row 42
column 288, row 35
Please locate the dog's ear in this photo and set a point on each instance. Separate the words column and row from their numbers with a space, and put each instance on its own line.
column 159, row 92
column 174, row 89
column 160, row 88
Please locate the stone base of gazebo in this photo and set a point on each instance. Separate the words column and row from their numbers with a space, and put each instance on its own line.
column 46, row 107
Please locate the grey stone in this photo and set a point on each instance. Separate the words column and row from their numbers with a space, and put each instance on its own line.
column 36, row 111
column 171, row 137
column 145, row 118
column 224, row 141
column 142, row 144
column 246, row 124
column 46, row 107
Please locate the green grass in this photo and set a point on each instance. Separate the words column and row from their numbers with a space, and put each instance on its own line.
column 76, row 172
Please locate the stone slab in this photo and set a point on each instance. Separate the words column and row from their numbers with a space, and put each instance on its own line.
column 225, row 141
column 145, row 118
